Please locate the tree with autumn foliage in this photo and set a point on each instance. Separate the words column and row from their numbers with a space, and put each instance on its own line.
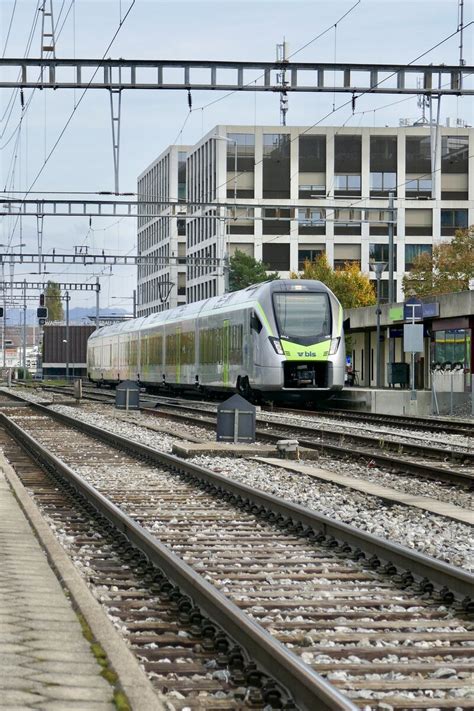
column 350, row 285
column 447, row 269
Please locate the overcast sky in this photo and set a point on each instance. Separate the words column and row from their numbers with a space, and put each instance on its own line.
column 392, row 31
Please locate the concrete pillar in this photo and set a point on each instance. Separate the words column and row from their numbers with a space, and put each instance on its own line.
column 365, row 173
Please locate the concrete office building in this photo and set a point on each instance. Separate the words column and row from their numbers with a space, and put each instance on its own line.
column 162, row 235
column 293, row 177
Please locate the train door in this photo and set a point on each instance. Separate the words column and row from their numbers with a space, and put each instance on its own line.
column 178, row 354
column 255, row 331
column 225, row 352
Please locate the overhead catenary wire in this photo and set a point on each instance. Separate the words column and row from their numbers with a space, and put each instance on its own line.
column 68, row 121
column 349, row 101
column 9, row 29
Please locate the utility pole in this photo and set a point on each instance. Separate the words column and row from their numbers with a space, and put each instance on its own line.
column 68, row 352
column 4, row 320
column 97, row 302
column 134, row 303
column 24, row 329
column 282, row 57
column 392, row 296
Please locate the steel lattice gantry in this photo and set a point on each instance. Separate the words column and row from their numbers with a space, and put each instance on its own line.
column 86, row 258
column 64, row 286
column 151, row 209
column 199, row 75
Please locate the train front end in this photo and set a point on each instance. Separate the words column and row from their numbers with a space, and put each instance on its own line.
column 310, row 342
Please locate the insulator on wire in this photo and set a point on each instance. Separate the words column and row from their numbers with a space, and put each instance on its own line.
column 190, row 100
column 22, row 99
column 353, row 102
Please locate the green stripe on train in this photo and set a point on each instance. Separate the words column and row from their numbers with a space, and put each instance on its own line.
column 295, row 351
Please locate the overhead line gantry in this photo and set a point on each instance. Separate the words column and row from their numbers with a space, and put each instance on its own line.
column 119, row 74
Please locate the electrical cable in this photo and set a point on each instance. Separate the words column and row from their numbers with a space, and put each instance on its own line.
column 9, row 29
column 68, row 121
column 349, row 102
column 300, row 49
column 26, row 52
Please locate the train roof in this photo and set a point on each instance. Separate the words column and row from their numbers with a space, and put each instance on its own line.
column 199, row 308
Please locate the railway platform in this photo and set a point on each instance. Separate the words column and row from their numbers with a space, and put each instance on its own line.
column 397, row 401
column 49, row 657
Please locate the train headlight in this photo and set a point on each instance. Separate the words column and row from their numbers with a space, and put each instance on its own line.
column 277, row 345
column 334, row 346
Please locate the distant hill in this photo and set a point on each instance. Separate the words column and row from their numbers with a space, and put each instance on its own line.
column 78, row 314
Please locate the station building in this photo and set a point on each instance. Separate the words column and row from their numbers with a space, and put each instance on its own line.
column 443, row 369
column 307, row 191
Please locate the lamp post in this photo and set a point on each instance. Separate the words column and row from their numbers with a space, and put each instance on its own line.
column 378, row 268
column 226, row 249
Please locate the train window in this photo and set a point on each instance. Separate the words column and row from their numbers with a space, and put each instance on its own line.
column 255, row 323
column 303, row 318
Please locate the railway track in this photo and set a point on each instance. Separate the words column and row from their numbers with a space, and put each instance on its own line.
column 373, row 625
column 397, row 455
column 384, row 449
column 423, row 424
column 406, row 422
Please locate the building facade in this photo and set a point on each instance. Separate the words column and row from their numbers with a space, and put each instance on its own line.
column 323, row 189
column 162, row 233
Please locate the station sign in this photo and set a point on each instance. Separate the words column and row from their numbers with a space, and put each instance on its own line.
column 413, row 338
column 413, row 309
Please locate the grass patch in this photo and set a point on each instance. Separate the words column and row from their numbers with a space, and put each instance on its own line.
column 120, row 699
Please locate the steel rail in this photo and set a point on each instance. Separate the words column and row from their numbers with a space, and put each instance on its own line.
column 421, row 566
column 308, row 689
column 337, row 446
column 405, row 421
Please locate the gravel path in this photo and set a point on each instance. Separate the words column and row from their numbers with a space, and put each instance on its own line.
column 426, row 532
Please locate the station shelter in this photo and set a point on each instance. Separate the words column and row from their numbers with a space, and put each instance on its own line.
column 448, row 323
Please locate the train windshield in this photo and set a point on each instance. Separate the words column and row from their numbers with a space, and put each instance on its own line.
column 303, row 317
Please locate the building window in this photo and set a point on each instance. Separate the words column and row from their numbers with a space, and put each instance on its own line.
column 379, row 253
column 182, row 176
column 452, row 346
column 276, row 221
column 346, row 254
column 452, row 220
column 412, row 251
column 378, row 222
column 309, row 253
column 382, row 183
column 347, row 222
column 418, row 187
column 181, row 228
column 240, row 221
column 311, row 221
column 383, row 165
column 276, row 165
column 244, row 145
column 454, row 167
column 418, row 167
column 276, row 256
column 418, row 222
column 312, row 166
column 347, row 165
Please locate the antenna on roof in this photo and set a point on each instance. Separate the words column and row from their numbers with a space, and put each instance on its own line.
column 282, row 58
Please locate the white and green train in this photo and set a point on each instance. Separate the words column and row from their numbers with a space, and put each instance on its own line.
column 276, row 339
